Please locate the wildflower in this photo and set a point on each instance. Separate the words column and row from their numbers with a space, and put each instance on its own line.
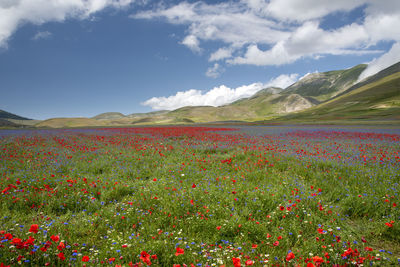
column 290, row 256
column 34, row 228
column 179, row 251
column 249, row 262
column 236, row 262
column 145, row 257
column 61, row 246
column 61, row 256
column 85, row 258
column 55, row 238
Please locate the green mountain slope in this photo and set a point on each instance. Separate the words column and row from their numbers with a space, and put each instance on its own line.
column 266, row 103
column 383, row 73
column 109, row 116
column 378, row 101
column 322, row 86
column 7, row 115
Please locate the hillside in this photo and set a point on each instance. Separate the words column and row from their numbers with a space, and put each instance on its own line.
column 376, row 102
column 317, row 98
column 109, row 116
column 266, row 103
column 325, row 85
column 7, row 115
column 6, row 124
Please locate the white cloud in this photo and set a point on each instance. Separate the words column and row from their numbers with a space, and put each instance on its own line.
column 228, row 22
column 294, row 10
column 214, row 71
column 290, row 29
column 41, row 35
column 14, row 13
column 217, row 96
column 221, row 53
column 192, row 42
column 283, row 80
column 386, row 60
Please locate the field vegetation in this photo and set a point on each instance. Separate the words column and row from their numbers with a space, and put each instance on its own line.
column 196, row 196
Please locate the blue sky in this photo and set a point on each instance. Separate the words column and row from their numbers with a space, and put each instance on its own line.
column 79, row 58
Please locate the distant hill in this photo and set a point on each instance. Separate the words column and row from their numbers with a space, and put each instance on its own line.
column 109, row 116
column 383, row 73
column 322, row 86
column 142, row 115
column 6, row 123
column 7, row 115
column 377, row 101
column 328, row 97
column 70, row 122
column 266, row 103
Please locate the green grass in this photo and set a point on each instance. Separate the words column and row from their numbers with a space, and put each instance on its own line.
column 138, row 191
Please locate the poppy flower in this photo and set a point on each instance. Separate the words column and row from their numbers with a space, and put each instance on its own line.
column 249, row 262
column 61, row 256
column 55, row 238
column 61, row 246
column 145, row 257
column 236, row 262
column 34, row 228
column 276, row 243
column 85, row 258
column 193, row 186
column 290, row 256
column 179, row 251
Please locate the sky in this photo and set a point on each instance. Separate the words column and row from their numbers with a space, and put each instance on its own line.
column 80, row 58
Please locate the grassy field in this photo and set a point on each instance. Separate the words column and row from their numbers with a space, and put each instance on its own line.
column 196, row 196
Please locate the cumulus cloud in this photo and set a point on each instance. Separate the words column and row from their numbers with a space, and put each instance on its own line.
column 14, row 13
column 277, row 32
column 192, row 42
column 386, row 60
column 41, row 35
column 214, row 71
column 221, row 53
column 217, row 96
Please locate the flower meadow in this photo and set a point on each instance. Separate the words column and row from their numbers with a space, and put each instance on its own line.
column 199, row 196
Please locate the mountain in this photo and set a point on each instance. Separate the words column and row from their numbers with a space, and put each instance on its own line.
column 383, row 73
column 6, row 123
column 322, row 86
column 7, row 115
column 328, row 97
column 109, row 116
column 153, row 113
column 374, row 100
column 266, row 103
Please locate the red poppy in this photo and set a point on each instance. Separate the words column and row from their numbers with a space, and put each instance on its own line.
column 290, row 256
column 61, row 256
column 276, row 243
column 61, row 246
column 34, row 228
column 145, row 257
column 218, row 227
column 55, row 238
column 85, row 258
column 193, row 186
column 249, row 262
column 179, row 251
column 236, row 262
